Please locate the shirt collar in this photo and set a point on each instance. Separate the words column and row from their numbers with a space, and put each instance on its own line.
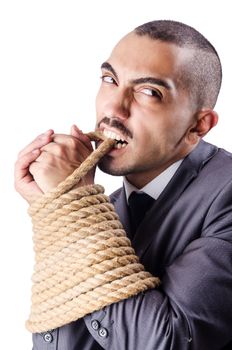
column 156, row 186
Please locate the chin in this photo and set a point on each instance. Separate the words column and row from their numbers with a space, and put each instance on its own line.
column 108, row 168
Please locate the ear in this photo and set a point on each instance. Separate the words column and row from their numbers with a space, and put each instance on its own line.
column 205, row 120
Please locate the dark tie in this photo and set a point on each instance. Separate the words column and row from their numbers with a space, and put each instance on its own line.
column 139, row 204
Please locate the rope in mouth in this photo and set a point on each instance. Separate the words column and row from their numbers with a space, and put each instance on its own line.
column 97, row 135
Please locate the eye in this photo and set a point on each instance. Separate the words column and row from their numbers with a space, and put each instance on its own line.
column 107, row 79
column 152, row 92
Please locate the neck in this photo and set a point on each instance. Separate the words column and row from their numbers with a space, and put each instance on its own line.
column 141, row 179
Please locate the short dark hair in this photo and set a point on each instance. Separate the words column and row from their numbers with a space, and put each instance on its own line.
column 204, row 72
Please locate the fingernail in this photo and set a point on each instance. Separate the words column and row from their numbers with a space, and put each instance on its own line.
column 47, row 132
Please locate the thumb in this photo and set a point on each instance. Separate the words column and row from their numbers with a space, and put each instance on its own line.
column 75, row 131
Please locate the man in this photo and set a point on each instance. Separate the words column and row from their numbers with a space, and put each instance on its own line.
column 159, row 87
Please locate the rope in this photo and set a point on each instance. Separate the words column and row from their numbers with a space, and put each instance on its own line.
column 83, row 259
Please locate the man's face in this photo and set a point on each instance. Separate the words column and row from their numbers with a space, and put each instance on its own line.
column 142, row 101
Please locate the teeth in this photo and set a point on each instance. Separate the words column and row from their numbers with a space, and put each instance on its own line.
column 120, row 145
column 108, row 134
column 112, row 135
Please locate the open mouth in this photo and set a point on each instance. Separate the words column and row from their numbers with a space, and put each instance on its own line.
column 120, row 141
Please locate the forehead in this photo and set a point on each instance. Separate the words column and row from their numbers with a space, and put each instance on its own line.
column 140, row 55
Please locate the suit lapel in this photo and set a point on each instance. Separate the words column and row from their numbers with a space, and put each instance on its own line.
column 159, row 210
column 186, row 173
column 118, row 199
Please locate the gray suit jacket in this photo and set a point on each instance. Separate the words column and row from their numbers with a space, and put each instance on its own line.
column 186, row 240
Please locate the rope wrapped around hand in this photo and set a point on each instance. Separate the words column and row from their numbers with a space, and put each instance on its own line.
column 83, row 259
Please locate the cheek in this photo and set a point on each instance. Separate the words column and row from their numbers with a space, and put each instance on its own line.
column 154, row 134
column 102, row 100
column 144, row 137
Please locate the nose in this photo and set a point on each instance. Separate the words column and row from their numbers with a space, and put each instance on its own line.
column 118, row 104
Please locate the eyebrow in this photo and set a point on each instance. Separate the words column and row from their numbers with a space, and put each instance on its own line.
column 151, row 80
column 107, row 66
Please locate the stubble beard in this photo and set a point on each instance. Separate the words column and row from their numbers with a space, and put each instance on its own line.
column 105, row 166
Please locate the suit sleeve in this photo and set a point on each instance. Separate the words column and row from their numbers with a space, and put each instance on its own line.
column 192, row 307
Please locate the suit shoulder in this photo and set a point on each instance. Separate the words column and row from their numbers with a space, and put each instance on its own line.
column 216, row 173
column 114, row 196
column 225, row 154
column 223, row 159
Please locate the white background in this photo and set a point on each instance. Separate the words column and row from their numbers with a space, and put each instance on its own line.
column 49, row 74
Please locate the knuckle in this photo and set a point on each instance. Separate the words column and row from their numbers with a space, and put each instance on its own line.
column 42, row 172
column 52, row 149
column 46, row 158
column 73, row 142
column 31, row 168
column 66, row 141
column 59, row 150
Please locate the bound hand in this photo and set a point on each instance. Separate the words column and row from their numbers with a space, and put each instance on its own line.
column 60, row 158
column 48, row 160
column 24, row 181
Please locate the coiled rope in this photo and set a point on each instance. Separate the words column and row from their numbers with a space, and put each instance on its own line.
column 83, row 259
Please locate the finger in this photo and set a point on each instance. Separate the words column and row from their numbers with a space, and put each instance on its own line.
column 63, row 139
column 76, row 132
column 38, row 142
column 70, row 141
column 62, row 145
column 53, row 147
column 22, row 165
column 46, row 157
column 65, row 146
